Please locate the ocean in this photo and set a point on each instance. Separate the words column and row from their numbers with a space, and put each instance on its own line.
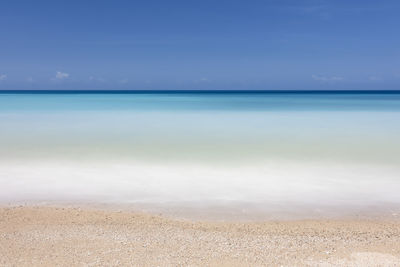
column 235, row 151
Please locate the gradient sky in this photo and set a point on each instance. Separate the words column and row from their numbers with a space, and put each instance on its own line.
column 76, row 44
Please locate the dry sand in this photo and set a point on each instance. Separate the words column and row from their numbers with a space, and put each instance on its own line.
column 61, row 236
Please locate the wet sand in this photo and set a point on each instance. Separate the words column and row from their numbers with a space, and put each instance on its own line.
column 65, row 236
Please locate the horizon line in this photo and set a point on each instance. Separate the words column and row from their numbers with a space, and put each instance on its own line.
column 160, row 91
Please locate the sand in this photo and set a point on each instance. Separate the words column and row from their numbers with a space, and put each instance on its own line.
column 62, row 236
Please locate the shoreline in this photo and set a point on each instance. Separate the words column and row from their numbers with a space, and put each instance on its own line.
column 230, row 212
column 44, row 235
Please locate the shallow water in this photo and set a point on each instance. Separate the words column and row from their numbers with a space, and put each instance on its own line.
column 261, row 150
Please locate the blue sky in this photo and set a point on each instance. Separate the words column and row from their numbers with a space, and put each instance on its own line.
column 204, row 44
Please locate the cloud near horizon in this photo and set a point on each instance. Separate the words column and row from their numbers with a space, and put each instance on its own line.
column 61, row 75
column 326, row 78
column 3, row 77
column 96, row 79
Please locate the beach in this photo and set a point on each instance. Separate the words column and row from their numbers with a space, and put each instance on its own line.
column 199, row 133
column 72, row 236
column 199, row 179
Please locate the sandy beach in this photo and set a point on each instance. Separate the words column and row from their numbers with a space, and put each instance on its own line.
column 70, row 236
column 199, row 133
column 204, row 179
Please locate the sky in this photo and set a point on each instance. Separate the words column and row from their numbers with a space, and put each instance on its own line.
column 193, row 44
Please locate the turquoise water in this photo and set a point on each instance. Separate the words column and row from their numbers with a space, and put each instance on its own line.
column 201, row 149
column 201, row 101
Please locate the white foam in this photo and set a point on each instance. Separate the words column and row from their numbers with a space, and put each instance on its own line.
column 124, row 181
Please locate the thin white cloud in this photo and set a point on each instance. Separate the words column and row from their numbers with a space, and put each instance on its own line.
column 202, row 80
column 327, row 78
column 96, row 79
column 30, row 79
column 322, row 10
column 61, row 75
column 123, row 81
column 3, row 77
